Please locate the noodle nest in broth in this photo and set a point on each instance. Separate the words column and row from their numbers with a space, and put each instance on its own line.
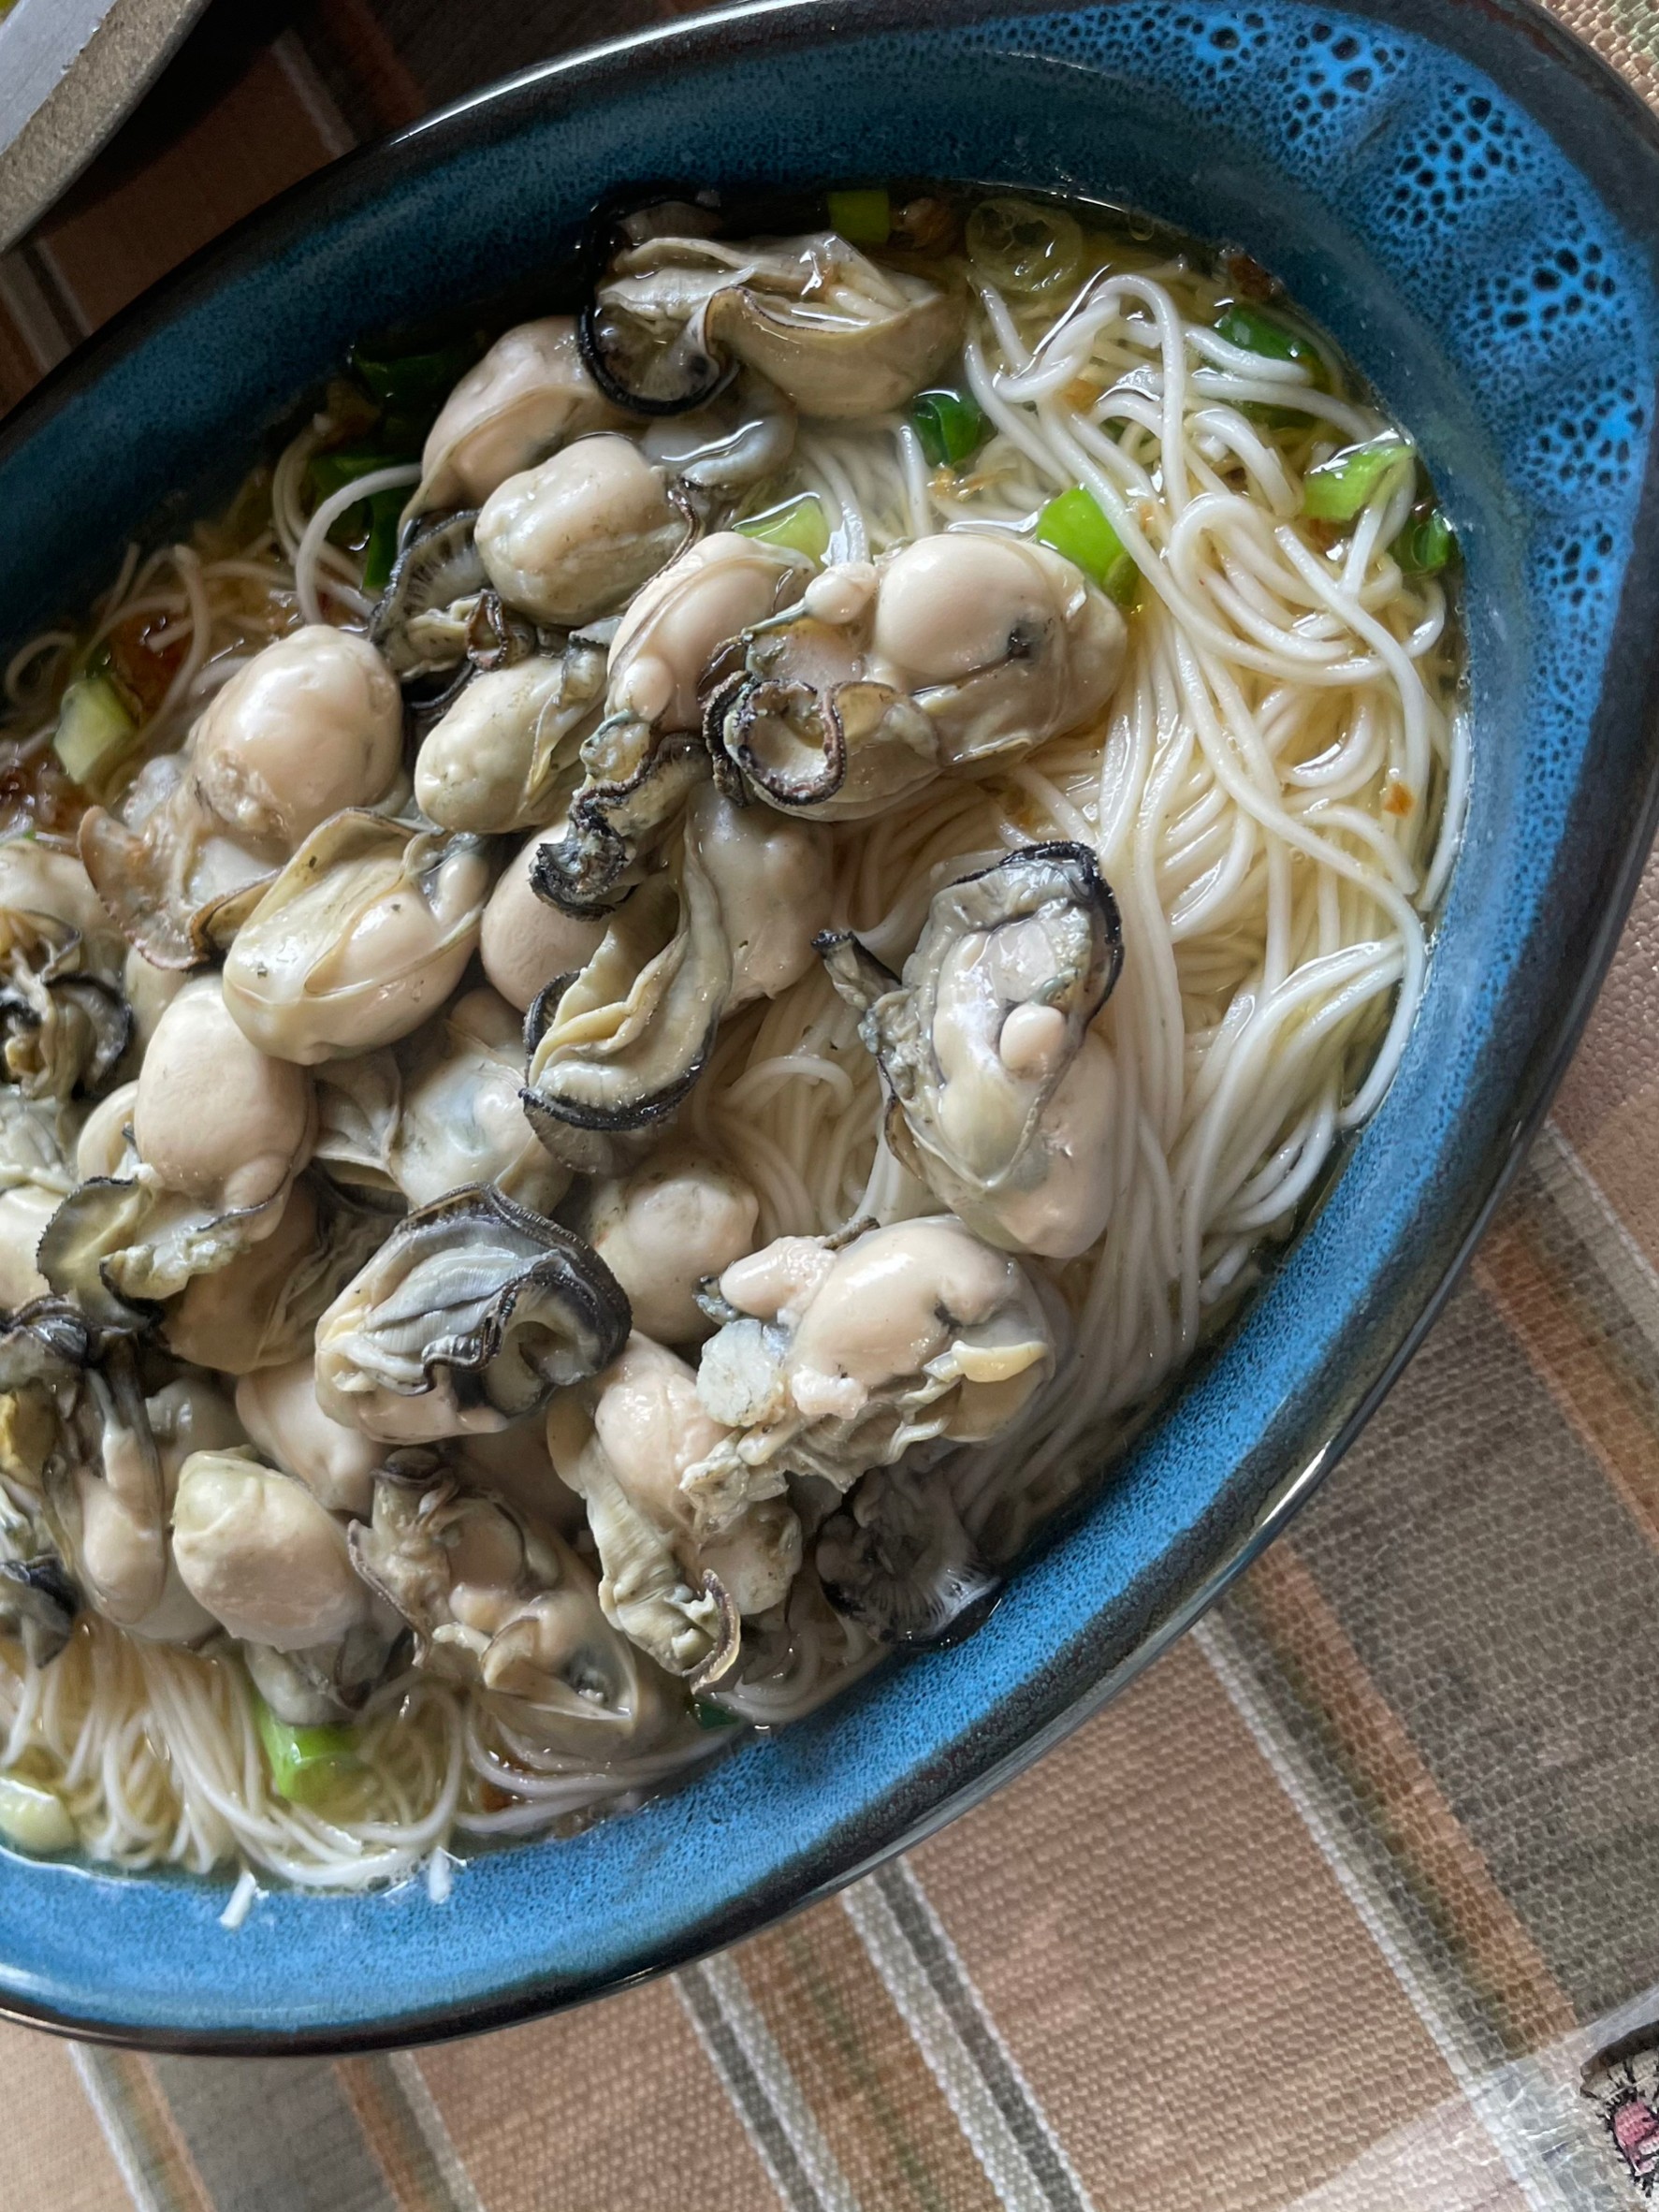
column 655, row 992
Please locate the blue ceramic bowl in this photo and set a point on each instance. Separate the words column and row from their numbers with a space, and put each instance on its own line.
column 1471, row 204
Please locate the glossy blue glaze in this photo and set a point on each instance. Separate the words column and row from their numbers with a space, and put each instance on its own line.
column 1471, row 206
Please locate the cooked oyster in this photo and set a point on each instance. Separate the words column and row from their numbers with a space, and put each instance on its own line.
column 362, row 935
column 35, row 877
column 205, row 1186
column 312, row 724
column 837, row 1357
column 423, row 622
column 63, row 1028
column 106, row 1491
column 622, row 1445
column 573, row 539
column 745, row 434
column 772, row 879
column 956, row 650
column 615, row 1047
column 1000, row 1090
column 526, row 942
column 504, row 756
column 261, row 1308
column 678, row 1218
column 439, row 1111
column 497, row 1600
column 530, row 393
column 1000, row 641
column 472, row 1313
column 38, row 1172
column 262, row 1556
column 835, row 333
column 898, row 1560
column 278, row 1407
column 646, row 757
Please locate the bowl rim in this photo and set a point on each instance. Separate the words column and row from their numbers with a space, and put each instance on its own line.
column 757, row 26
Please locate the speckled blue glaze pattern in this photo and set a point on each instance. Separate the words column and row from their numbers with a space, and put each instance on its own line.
column 1474, row 213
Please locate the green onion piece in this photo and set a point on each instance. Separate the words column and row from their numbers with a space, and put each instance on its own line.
column 1023, row 247
column 861, row 218
column 386, row 514
column 1074, row 525
column 95, row 727
column 799, row 524
column 1425, row 545
column 411, row 388
column 1337, row 489
column 33, row 1818
column 708, row 1715
column 307, row 1764
column 332, row 471
column 948, row 425
column 1254, row 332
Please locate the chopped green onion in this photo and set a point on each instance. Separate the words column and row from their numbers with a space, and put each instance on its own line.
column 861, row 218
column 1254, row 332
column 708, row 1715
column 948, row 425
column 410, row 389
column 330, row 472
column 33, row 1818
column 799, row 524
column 1425, row 545
column 386, row 516
column 1337, row 489
column 1247, row 327
column 307, row 1764
column 95, row 727
column 339, row 465
column 1074, row 525
column 1023, row 247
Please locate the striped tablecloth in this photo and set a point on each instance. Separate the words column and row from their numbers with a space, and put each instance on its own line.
column 1343, row 1908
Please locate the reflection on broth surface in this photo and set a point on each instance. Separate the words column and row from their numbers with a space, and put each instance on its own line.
column 653, row 993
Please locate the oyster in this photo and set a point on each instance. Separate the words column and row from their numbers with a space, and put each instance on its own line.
column 530, row 393
column 422, row 622
column 898, row 1560
column 38, row 1172
column 573, row 539
column 204, row 1186
column 839, row 1355
column 106, row 1487
column 364, row 933
column 741, row 437
column 261, row 1308
column 312, row 724
column 500, row 1602
column 772, row 879
column 837, row 334
column 278, row 1407
column 622, row 1445
column 524, row 942
column 617, row 1046
column 505, row 755
column 680, row 1218
column 962, row 648
column 473, row 1312
column 999, row 1091
column 63, row 1028
column 261, row 1555
column 646, row 757
column 440, row 1111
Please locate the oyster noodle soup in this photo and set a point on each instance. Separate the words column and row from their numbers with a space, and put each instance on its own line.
column 651, row 994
